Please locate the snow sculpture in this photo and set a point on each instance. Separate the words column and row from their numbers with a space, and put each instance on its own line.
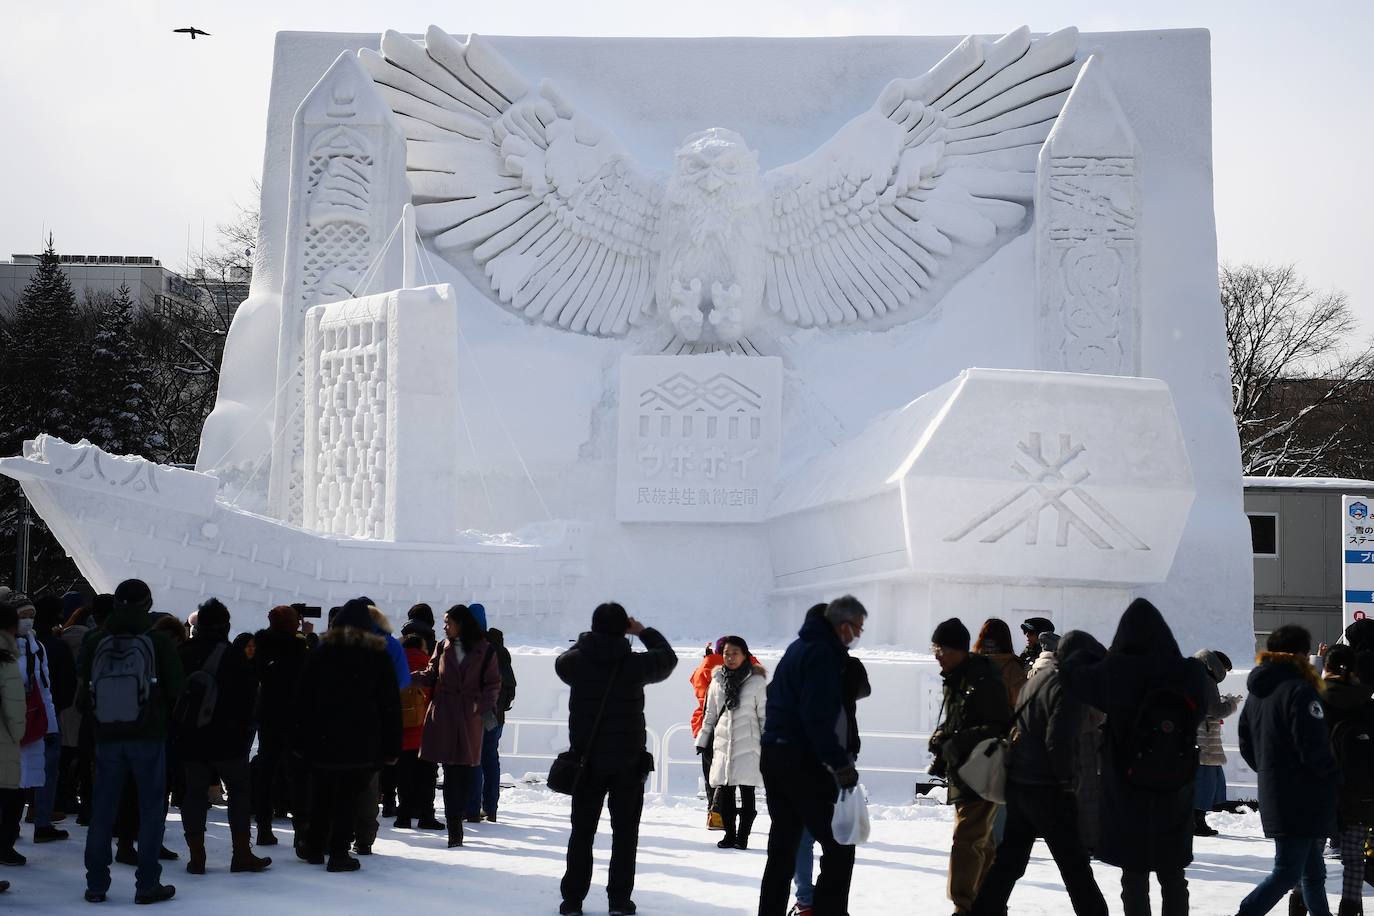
column 872, row 227
column 1087, row 196
column 699, row 438
column 347, row 191
column 1031, row 480
column 380, row 433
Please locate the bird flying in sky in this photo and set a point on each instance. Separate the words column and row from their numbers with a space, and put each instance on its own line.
column 193, row 32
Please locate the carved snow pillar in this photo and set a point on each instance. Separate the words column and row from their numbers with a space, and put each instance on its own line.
column 1087, row 214
column 348, row 186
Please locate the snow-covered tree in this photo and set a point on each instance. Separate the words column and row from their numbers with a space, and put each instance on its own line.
column 117, row 390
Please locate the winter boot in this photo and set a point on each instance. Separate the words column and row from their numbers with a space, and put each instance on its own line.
column 265, row 835
column 402, row 823
column 1350, row 906
column 728, row 821
column 243, row 859
column 343, row 862
column 126, row 853
column 1295, row 905
column 746, row 824
column 455, row 832
column 1200, row 825
column 159, row 894
column 195, row 853
column 429, row 822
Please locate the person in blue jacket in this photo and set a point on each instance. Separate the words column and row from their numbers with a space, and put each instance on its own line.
column 804, row 763
column 1284, row 739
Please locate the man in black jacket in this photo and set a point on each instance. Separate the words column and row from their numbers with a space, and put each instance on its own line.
column 279, row 777
column 607, row 679
column 219, row 682
column 1283, row 737
column 1042, row 775
column 804, row 761
column 976, row 706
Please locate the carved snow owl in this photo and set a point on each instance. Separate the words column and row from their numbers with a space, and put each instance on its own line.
column 871, row 228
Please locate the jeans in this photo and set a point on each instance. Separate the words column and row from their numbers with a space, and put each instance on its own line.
column 486, row 776
column 1297, row 863
column 624, row 791
column 1049, row 813
column 1209, row 788
column 806, row 859
column 200, row 775
column 146, row 761
column 45, row 795
column 1135, row 893
column 801, row 795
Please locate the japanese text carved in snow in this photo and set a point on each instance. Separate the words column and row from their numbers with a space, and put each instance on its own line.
column 873, row 227
column 699, row 438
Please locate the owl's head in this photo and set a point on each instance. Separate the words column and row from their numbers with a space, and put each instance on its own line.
column 715, row 163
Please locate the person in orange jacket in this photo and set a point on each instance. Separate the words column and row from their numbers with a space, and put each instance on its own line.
column 415, row 778
column 701, row 683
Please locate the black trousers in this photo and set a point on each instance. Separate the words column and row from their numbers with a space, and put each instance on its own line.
column 278, row 780
column 706, row 777
column 11, row 807
column 1173, row 892
column 624, row 792
column 334, row 800
column 415, row 782
column 1048, row 813
column 200, row 776
column 801, row 793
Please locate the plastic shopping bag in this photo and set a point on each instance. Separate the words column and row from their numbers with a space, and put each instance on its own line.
column 850, row 821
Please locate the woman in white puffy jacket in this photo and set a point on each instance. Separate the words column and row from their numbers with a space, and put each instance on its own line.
column 733, row 728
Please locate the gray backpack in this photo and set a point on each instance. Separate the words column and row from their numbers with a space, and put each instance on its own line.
column 123, row 681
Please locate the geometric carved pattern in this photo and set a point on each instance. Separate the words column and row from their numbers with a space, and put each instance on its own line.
column 720, row 392
column 1049, row 487
column 351, row 425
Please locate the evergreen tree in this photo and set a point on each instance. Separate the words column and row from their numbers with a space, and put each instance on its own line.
column 41, row 359
column 117, row 383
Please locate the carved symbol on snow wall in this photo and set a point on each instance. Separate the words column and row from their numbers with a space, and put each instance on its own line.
column 1051, row 485
column 1092, row 236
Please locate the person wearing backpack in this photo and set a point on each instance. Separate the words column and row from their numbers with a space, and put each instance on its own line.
column 1284, row 738
column 12, row 719
column 606, row 726
column 129, row 678
column 1153, row 698
column 466, row 680
column 485, row 795
column 1350, row 716
column 213, row 731
column 415, row 778
column 1042, row 782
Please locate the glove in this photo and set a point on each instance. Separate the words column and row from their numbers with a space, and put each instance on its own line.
column 488, row 721
column 847, row 776
column 938, row 768
column 700, row 751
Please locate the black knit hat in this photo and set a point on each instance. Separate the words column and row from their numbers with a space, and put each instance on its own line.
column 133, row 592
column 212, row 615
column 951, row 634
column 354, row 613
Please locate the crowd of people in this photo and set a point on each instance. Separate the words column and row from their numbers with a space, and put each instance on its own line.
column 113, row 713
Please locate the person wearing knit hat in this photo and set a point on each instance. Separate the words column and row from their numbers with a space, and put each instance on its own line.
column 602, row 667
column 976, row 706
column 141, row 750
column 278, row 775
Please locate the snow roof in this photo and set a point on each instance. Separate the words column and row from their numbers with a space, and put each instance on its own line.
column 1307, row 483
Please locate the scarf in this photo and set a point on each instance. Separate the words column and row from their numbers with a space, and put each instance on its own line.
column 734, row 682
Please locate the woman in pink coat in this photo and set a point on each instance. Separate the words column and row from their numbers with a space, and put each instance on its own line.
column 465, row 675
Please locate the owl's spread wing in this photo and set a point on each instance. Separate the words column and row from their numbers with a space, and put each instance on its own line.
column 557, row 214
column 914, row 193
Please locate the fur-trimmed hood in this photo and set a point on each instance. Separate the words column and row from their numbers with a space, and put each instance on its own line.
column 353, row 636
column 1273, row 668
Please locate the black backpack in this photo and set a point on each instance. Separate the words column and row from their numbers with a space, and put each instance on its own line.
column 1352, row 741
column 1159, row 749
column 200, row 695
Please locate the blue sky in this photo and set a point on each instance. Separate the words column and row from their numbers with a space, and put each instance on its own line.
column 123, row 138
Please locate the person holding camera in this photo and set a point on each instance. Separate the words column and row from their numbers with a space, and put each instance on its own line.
column 606, row 723
column 975, row 707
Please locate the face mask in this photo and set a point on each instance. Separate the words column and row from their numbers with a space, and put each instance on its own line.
column 25, row 626
column 853, row 643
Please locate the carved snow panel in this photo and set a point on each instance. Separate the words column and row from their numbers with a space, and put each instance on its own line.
column 700, row 438
column 1087, row 235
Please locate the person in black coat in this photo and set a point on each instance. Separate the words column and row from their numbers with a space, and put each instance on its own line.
column 804, row 761
column 1285, row 740
column 221, row 682
column 1350, row 716
column 347, row 724
column 1143, row 830
column 602, row 669
column 279, row 778
column 1042, row 776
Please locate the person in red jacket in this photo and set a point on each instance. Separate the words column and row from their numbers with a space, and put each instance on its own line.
column 415, row 778
column 701, row 683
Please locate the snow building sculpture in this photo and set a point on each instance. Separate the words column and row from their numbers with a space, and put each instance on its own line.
column 690, row 323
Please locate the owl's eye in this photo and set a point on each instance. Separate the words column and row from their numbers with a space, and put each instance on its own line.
column 695, row 165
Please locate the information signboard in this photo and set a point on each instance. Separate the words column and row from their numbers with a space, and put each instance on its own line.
column 1357, row 558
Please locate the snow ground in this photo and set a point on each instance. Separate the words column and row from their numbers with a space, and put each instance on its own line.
column 514, row 866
